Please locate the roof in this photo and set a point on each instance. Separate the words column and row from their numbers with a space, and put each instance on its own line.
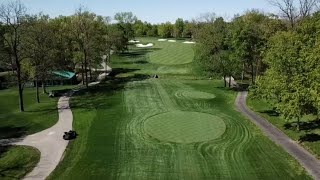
column 65, row 74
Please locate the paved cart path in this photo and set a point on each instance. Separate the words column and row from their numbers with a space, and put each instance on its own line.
column 49, row 142
column 305, row 158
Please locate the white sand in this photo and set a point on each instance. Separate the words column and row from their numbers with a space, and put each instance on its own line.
column 189, row 42
column 144, row 46
column 134, row 41
column 162, row 39
column 172, row 41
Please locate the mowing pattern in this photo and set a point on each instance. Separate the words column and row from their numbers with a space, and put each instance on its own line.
column 194, row 95
column 168, row 53
column 185, row 127
column 150, row 144
column 167, row 128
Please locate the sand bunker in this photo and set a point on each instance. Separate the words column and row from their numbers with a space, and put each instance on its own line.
column 133, row 41
column 189, row 42
column 172, row 41
column 162, row 39
column 144, row 46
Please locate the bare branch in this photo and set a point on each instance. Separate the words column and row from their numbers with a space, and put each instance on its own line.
column 293, row 10
column 307, row 7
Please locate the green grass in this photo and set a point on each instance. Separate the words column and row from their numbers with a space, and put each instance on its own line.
column 113, row 143
column 184, row 127
column 132, row 127
column 36, row 117
column 157, row 60
column 309, row 125
column 17, row 161
column 170, row 53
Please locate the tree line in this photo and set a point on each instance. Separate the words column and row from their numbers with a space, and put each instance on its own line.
column 278, row 53
column 32, row 46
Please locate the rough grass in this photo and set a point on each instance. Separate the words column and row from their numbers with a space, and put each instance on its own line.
column 17, row 161
column 36, row 117
column 309, row 135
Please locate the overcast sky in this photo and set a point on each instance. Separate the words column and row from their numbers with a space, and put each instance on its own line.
column 154, row 11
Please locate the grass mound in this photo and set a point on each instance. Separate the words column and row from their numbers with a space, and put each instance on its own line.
column 185, row 127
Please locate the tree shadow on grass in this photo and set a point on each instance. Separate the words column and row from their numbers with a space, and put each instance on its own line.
column 138, row 52
column 7, row 132
column 304, row 126
column 135, row 62
column 309, row 138
column 271, row 113
column 96, row 97
column 116, row 71
column 48, row 110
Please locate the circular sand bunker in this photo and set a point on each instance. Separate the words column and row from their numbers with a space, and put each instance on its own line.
column 194, row 95
column 185, row 127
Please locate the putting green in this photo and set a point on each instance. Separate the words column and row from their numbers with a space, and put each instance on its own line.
column 185, row 127
column 194, row 95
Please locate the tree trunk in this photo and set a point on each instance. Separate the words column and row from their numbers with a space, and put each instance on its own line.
column 82, row 74
column 252, row 73
column 230, row 81
column 242, row 75
column 225, row 81
column 44, row 91
column 37, row 90
column 298, row 124
column 109, row 58
column 257, row 68
column 20, row 89
column 90, row 73
column 85, row 67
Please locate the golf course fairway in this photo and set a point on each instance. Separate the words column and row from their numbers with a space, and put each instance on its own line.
column 178, row 126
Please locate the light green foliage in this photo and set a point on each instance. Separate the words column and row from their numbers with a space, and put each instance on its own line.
column 143, row 28
column 153, row 32
column 125, row 23
column 125, row 17
column 213, row 51
column 248, row 41
column 165, row 30
column 188, row 29
column 291, row 64
column 179, row 28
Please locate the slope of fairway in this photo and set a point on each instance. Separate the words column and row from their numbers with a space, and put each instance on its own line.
column 170, row 53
